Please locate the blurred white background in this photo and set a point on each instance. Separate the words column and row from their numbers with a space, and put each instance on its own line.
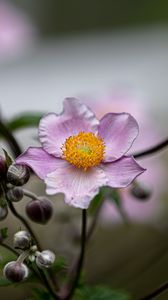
column 88, row 64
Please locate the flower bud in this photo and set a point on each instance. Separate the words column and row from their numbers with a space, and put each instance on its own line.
column 15, row 194
column 45, row 259
column 3, row 212
column 18, row 174
column 39, row 210
column 141, row 191
column 15, row 271
column 22, row 240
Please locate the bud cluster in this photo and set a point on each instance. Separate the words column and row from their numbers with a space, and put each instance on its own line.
column 17, row 271
column 12, row 175
column 39, row 209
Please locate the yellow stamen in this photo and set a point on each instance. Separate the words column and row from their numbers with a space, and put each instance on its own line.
column 84, row 150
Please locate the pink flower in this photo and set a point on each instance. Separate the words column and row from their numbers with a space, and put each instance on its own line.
column 119, row 100
column 16, row 31
column 80, row 154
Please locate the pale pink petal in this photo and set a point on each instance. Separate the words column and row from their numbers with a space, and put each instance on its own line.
column 118, row 131
column 122, row 172
column 55, row 129
column 39, row 161
column 79, row 186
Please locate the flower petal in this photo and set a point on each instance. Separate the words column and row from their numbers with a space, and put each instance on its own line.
column 122, row 172
column 118, row 131
column 79, row 186
column 55, row 129
column 39, row 161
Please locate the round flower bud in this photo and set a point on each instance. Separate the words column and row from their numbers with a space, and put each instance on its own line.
column 141, row 191
column 3, row 212
column 15, row 271
column 39, row 210
column 22, row 240
column 45, row 259
column 18, row 174
column 15, row 194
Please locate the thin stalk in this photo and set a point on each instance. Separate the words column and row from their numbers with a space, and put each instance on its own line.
column 123, row 214
column 94, row 222
column 25, row 223
column 23, row 256
column 47, row 284
column 6, row 133
column 81, row 256
column 152, row 150
column 156, row 292
column 29, row 194
column 10, row 249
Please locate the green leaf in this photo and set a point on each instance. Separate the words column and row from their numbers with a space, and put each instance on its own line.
column 8, row 159
column 4, row 282
column 60, row 264
column 3, row 202
column 111, row 194
column 95, row 203
column 25, row 120
column 100, row 293
column 5, row 256
column 40, row 294
column 4, row 232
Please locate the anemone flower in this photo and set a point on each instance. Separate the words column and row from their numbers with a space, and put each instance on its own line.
column 119, row 100
column 79, row 153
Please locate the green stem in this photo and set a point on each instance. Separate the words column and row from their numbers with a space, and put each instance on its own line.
column 29, row 194
column 152, row 150
column 123, row 213
column 6, row 133
column 94, row 222
column 23, row 256
column 47, row 284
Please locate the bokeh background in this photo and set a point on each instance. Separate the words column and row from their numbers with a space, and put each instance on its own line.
column 113, row 55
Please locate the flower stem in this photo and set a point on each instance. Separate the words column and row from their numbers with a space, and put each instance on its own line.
column 123, row 214
column 156, row 292
column 152, row 150
column 10, row 249
column 23, row 256
column 94, row 222
column 81, row 256
column 26, row 224
column 6, row 133
column 47, row 284
column 30, row 194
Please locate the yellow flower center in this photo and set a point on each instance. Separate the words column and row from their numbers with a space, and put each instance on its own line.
column 84, row 150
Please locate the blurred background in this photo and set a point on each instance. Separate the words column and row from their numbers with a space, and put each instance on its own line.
column 114, row 56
